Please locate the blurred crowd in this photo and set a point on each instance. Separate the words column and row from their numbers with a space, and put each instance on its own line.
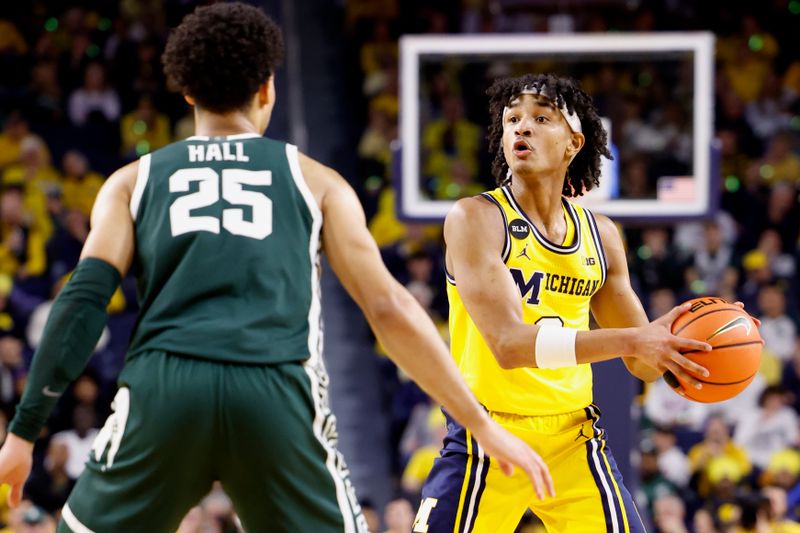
column 83, row 92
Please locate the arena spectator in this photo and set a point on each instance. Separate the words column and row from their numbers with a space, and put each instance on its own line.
column 376, row 54
column 22, row 244
column 669, row 514
column 757, row 273
column 375, row 142
column 14, row 130
column 716, row 444
column 770, row 427
column 78, row 440
column 370, row 514
column 80, row 184
column 790, row 379
column 703, row 521
column 723, row 476
column 12, row 365
column 144, row 130
column 398, row 516
column 654, row 485
column 35, row 175
column 783, row 214
column 447, row 139
column 672, row 462
column 774, row 514
column 656, row 264
column 711, row 259
column 46, row 95
column 746, row 65
column 783, row 470
column 768, row 114
column 50, row 485
column 94, row 98
column 777, row 329
column 36, row 520
column 782, row 265
column 421, row 460
column 780, row 164
column 663, row 406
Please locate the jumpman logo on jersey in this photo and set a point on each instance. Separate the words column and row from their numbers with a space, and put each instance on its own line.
column 524, row 253
column 580, row 434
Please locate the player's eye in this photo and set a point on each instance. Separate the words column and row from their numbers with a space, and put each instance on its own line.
column 541, row 119
column 513, row 119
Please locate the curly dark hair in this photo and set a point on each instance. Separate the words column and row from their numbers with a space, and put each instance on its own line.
column 584, row 170
column 220, row 54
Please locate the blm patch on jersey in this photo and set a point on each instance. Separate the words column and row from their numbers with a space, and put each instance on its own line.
column 519, row 229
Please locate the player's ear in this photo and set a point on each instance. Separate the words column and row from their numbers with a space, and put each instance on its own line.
column 189, row 99
column 576, row 142
column 266, row 92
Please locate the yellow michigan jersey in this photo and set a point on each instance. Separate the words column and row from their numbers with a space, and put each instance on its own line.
column 550, row 410
column 556, row 283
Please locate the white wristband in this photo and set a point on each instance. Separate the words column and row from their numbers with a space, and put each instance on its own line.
column 555, row 347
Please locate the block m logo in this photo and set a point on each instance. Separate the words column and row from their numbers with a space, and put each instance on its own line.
column 532, row 285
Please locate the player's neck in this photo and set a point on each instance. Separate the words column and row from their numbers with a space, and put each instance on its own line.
column 541, row 200
column 209, row 124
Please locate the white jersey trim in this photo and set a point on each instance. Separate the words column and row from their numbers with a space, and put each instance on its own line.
column 315, row 310
column 315, row 367
column 476, row 488
column 602, row 473
column 235, row 137
column 74, row 524
column 141, row 182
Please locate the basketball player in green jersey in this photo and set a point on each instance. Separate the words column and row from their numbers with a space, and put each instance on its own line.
column 224, row 378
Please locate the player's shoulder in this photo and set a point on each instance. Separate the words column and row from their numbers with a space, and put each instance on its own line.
column 326, row 185
column 321, row 179
column 471, row 210
column 475, row 216
column 124, row 178
column 313, row 169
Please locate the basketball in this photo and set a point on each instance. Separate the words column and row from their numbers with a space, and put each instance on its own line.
column 736, row 355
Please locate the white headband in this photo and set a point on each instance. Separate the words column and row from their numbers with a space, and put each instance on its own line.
column 571, row 118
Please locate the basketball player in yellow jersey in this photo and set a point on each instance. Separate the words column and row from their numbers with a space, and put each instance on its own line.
column 525, row 268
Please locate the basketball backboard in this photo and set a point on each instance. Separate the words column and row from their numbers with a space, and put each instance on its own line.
column 654, row 93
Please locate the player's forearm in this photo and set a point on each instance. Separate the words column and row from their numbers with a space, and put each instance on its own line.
column 73, row 327
column 413, row 343
column 516, row 347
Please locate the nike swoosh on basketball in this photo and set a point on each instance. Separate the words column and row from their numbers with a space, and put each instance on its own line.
column 733, row 324
column 51, row 393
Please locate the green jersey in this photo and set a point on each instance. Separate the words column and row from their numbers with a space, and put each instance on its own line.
column 227, row 249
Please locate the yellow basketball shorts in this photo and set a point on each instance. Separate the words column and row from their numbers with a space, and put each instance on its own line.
column 467, row 492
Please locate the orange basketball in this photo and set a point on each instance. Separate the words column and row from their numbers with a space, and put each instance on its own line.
column 736, row 342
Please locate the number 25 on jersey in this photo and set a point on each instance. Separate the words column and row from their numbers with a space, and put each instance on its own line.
column 180, row 212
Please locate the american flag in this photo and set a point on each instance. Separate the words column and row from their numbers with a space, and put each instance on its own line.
column 676, row 188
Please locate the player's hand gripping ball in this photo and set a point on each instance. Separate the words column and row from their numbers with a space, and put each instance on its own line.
column 736, row 355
